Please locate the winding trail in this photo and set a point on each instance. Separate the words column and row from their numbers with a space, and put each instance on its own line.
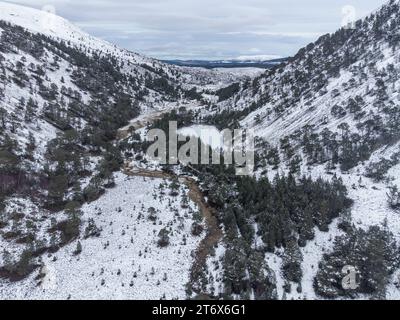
column 214, row 233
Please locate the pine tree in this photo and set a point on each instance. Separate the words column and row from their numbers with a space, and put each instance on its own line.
column 3, row 115
column 292, row 260
column 31, row 146
column 78, row 249
column 394, row 197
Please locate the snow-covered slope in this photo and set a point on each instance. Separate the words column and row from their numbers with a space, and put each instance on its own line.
column 330, row 112
column 124, row 261
column 52, row 25
column 45, row 22
column 333, row 110
column 59, row 84
column 41, row 52
column 63, row 96
column 316, row 87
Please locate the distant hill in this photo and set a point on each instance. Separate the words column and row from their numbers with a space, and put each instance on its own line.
column 211, row 64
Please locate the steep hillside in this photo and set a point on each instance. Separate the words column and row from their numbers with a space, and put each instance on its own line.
column 120, row 254
column 63, row 96
column 324, row 199
column 350, row 77
column 59, row 29
column 332, row 112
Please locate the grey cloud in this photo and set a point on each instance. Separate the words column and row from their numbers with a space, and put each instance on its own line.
column 206, row 28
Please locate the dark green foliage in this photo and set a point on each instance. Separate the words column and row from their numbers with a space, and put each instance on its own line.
column 226, row 93
column 174, row 188
column 91, row 230
column 17, row 270
column 286, row 212
column 192, row 94
column 378, row 170
column 184, row 119
column 373, row 253
column 261, row 277
column 235, row 260
column 163, row 238
column 273, row 158
column 292, row 260
column 286, row 206
column 93, row 191
column 294, row 165
column 228, row 119
column 245, row 272
column 69, row 228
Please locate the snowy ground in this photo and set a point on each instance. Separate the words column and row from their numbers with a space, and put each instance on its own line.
column 214, row 79
column 313, row 253
column 125, row 262
column 241, row 72
column 370, row 208
column 215, row 271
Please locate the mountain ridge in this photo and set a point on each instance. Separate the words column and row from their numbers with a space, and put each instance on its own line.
column 228, row 63
column 323, row 195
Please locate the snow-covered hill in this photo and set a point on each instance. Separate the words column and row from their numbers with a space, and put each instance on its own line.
column 47, row 23
column 331, row 114
column 124, row 261
column 63, row 96
column 56, row 27
column 330, row 111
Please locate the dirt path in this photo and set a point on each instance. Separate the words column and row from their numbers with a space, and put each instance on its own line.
column 140, row 123
column 213, row 231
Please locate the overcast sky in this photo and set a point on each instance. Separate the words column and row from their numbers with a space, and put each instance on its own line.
column 208, row 29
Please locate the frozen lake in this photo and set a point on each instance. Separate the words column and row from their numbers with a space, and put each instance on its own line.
column 208, row 134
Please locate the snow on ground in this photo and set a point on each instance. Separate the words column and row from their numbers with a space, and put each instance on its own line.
column 312, row 255
column 370, row 208
column 214, row 79
column 125, row 262
column 274, row 262
column 241, row 72
column 370, row 198
column 209, row 135
column 48, row 23
column 215, row 269
column 21, row 218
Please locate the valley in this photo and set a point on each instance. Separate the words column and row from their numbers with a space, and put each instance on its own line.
column 85, row 213
column 213, row 232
